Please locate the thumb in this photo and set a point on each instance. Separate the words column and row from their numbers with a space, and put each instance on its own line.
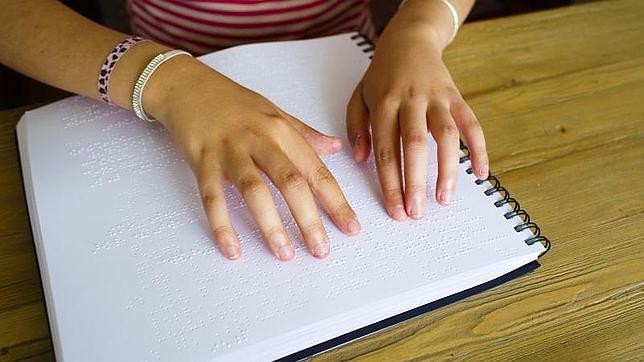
column 358, row 125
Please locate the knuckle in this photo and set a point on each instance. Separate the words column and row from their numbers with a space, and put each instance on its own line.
column 392, row 196
column 275, row 124
column 470, row 121
column 222, row 230
column 228, row 143
column 209, row 198
column 249, row 185
column 415, row 188
column 313, row 228
column 413, row 92
column 202, row 153
column 385, row 155
column 452, row 92
column 291, row 180
column 389, row 99
column 415, row 140
column 322, row 175
column 448, row 131
column 343, row 210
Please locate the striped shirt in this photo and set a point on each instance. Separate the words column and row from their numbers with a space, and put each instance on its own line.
column 202, row 26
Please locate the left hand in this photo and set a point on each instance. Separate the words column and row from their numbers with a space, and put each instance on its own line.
column 406, row 92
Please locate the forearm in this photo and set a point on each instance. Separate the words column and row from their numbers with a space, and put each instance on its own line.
column 431, row 15
column 47, row 41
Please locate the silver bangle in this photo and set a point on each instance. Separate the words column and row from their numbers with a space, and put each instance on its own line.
column 454, row 13
column 139, row 86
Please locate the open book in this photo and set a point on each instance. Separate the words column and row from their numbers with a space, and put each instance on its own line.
column 130, row 269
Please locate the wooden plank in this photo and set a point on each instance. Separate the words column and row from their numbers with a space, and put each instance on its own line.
column 506, row 52
column 24, row 332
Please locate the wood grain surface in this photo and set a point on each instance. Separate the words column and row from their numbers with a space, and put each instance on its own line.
column 561, row 97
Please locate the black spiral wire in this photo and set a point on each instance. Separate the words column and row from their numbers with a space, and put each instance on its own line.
column 507, row 199
column 368, row 47
column 364, row 43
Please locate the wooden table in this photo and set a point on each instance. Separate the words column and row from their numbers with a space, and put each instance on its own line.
column 561, row 98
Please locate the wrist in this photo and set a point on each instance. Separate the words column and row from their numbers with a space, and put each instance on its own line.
column 171, row 82
column 129, row 68
column 414, row 33
column 438, row 19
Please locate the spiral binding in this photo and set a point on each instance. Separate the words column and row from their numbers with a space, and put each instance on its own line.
column 506, row 199
column 368, row 47
column 364, row 43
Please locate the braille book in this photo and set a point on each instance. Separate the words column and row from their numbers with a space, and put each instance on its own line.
column 131, row 272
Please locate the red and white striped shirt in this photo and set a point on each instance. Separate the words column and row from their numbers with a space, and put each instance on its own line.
column 202, row 26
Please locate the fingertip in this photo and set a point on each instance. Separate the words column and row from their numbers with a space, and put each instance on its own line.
column 397, row 213
column 285, row 253
column 331, row 144
column 232, row 252
column 336, row 144
column 321, row 250
column 444, row 197
column 483, row 172
column 360, row 149
column 354, row 227
column 324, row 144
column 228, row 245
column 415, row 207
column 359, row 155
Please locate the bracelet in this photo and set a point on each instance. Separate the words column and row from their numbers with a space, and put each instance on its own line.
column 137, row 95
column 454, row 13
column 108, row 66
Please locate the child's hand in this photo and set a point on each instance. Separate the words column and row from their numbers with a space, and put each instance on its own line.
column 406, row 92
column 226, row 131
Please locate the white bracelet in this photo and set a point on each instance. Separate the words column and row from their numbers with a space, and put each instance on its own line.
column 137, row 95
column 454, row 13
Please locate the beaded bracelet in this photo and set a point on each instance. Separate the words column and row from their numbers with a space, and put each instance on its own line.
column 108, row 66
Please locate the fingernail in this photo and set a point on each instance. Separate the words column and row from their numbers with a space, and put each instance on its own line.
column 284, row 248
column 483, row 172
column 285, row 253
column 416, row 211
column 398, row 213
column 321, row 250
column 354, row 227
column 444, row 197
column 232, row 252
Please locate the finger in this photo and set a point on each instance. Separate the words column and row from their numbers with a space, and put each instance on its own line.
column 293, row 186
column 386, row 146
column 321, row 143
column 247, row 178
column 324, row 186
column 211, row 188
column 358, row 126
column 413, row 129
column 471, row 129
column 446, row 135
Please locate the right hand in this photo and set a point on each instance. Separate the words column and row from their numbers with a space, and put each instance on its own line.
column 228, row 132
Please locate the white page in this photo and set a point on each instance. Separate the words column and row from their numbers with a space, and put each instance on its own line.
column 130, row 269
